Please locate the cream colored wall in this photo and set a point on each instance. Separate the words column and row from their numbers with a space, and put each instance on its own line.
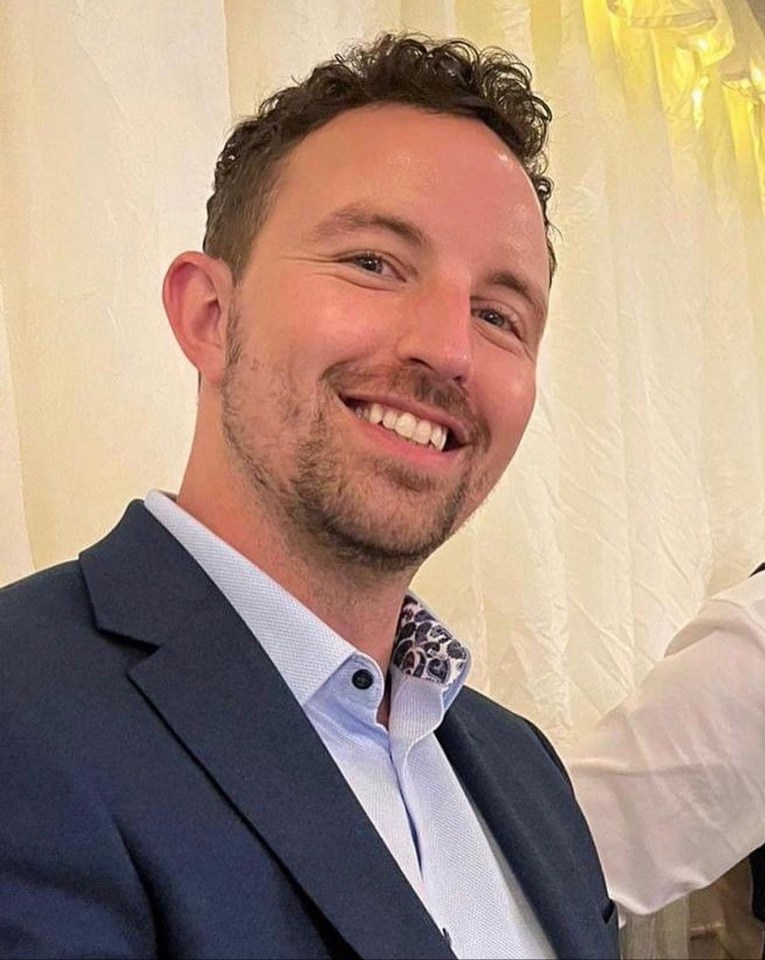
column 639, row 488
column 111, row 124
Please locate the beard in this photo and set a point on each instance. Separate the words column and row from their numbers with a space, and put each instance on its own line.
column 333, row 502
column 380, row 514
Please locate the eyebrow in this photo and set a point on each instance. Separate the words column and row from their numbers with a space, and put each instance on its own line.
column 355, row 217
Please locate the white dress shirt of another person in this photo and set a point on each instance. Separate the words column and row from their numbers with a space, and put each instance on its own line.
column 672, row 781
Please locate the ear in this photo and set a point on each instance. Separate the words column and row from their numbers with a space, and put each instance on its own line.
column 197, row 294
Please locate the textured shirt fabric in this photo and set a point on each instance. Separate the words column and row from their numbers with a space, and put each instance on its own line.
column 400, row 775
column 672, row 781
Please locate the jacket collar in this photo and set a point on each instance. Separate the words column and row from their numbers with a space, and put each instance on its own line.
column 229, row 707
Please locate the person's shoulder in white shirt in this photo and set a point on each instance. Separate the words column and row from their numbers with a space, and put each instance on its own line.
column 672, row 781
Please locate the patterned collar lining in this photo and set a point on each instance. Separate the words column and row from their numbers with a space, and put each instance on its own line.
column 425, row 648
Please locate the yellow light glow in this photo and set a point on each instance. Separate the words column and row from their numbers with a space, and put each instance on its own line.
column 620, row 8
column 709, row 63
column 697, row 96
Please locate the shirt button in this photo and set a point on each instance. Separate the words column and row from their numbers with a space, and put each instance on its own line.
column 362, row 679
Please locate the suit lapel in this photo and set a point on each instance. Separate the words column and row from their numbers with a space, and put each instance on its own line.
column 510, row 794
column 227, row 704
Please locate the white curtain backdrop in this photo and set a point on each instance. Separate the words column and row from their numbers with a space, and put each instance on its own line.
column 639, row 488
column 111, row 116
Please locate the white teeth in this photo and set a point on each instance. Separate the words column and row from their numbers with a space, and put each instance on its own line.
column 423, row 432
column 389, row 419
column 406, row 425
column 438, row 436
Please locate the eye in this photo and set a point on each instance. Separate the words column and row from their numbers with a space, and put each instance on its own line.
column 370, row 262
column 499, row 319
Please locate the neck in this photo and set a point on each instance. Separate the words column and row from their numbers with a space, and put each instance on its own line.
column 360, row 604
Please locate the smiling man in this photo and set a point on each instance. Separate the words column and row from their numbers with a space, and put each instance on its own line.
column 229, row 729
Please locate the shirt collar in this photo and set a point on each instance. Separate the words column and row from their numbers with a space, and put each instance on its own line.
column 306, row 651
column 425, row 648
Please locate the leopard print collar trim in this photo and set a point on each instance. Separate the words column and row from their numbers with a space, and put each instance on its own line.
column 425, row 648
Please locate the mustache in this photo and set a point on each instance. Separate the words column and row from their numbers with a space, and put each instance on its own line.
column 414, row 382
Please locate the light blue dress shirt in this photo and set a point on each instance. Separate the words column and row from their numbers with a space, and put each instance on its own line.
column 400, row 775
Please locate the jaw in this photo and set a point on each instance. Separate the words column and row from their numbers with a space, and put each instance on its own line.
column 343, row 488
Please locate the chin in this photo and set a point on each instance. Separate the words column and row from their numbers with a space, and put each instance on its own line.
column 383, row 548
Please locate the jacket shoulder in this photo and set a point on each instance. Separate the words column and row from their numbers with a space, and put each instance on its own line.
column 51, row 646
column 56, row 594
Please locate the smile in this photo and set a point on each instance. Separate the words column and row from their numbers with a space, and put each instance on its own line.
column 404, row 424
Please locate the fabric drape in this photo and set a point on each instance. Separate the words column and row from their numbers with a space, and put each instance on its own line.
column 640, row 487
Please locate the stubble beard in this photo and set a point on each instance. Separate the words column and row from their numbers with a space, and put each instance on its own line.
column 390, row 531
column 327, row 504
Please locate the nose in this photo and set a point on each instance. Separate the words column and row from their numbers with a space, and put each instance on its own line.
column 437, row 331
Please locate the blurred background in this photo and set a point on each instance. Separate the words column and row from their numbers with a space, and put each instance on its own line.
column 640, row 487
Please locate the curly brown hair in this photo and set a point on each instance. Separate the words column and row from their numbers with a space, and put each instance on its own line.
column 451, row 76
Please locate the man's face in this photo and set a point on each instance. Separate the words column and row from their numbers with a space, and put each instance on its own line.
column 402, row 273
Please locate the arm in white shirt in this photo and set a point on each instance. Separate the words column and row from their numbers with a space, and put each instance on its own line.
column 672, row 781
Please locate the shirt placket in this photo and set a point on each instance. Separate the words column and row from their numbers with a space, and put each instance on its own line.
column 416, row 712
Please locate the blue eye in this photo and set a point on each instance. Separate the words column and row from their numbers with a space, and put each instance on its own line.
column 494, row 317
column 369, row 262
column 497, row 319
column 375, row 264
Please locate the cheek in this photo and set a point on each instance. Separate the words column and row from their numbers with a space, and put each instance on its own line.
column 511, row 406
column 523, row 396
column 508, row 391
column 331, row 322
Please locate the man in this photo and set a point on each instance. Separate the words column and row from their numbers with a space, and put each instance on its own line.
column 229, row 730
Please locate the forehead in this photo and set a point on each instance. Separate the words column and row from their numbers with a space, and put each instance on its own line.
column 452, row 175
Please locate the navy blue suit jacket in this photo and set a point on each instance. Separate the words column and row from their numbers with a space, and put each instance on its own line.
column 163, row 794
